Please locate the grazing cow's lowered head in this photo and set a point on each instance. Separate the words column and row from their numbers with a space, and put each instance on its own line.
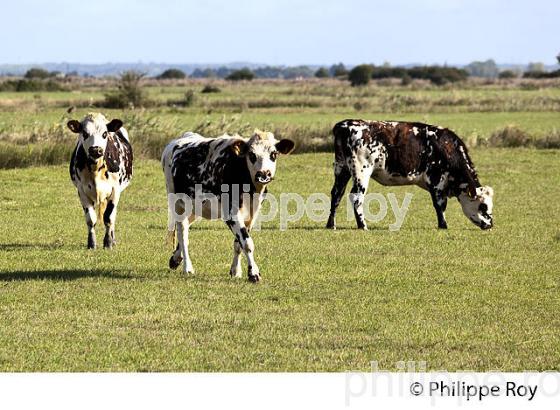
column 261, row 152
column 477, row 206
column 407, row 153
column 94, row 130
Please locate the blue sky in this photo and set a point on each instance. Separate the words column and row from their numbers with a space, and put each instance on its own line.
column 280, row 32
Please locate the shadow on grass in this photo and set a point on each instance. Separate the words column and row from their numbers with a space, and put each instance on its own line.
column 20, row 246
column 60, row 275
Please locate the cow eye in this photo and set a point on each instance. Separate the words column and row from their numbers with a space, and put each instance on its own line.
column 252, row 157
column 273, row 155
column 105, row 134
column 86, row 135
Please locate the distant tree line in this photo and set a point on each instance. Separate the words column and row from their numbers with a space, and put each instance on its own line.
column 361, row 74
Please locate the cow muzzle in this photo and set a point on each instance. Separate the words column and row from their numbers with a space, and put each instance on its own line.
column 485, row 226
column 95, row 152
column 263, row 177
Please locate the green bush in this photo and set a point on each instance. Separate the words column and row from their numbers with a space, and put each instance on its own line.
column 438, row 75
column 435, row 74
column 243, row 74
column 360, row 75
column 33, row 85
column 21, row 156
column 129, row 94
column 338, row 70
column 510, row 137
column 37, row 73
column 172, row 74
column 208, row 88
column 322, row 73
column 507, row 74
column 541, row 74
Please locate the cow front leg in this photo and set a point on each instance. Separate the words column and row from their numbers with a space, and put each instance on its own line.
column 109, row 219
column 183, row 247
column 360, row 183
column 235, row 269
column 341, row 178
column 439, row 200
column 91, row 220
column 247, row 246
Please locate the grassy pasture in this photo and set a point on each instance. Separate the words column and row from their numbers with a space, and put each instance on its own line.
column 461, row 299
column 33, row 131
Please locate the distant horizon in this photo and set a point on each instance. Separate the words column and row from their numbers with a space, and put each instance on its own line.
column 261, row 64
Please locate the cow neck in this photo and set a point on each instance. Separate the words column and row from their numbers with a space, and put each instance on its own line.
column 96, row 166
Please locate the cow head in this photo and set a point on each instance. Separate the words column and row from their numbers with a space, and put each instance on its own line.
column 477, row 204
column 261, row 152
column 94, row 130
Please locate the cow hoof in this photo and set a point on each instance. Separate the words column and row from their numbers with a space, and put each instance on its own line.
column 108, row 243
column 254, row 278
column 442, row 226
column 235, row 274
column 174, row 264
column 331, row 226
column 362, row 228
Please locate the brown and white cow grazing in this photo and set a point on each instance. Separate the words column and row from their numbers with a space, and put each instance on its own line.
column 407, row 153
column 100, row 168
column 235, row 172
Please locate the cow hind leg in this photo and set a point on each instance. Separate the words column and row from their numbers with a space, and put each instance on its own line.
column 361, row 175
column 341, row 178
column 183, row 248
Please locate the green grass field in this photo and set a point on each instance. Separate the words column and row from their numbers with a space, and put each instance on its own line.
column 461, row 299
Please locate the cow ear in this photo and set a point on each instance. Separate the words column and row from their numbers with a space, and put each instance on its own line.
column 114, row 125
column 239, row 148
column 74, row 126
column 285, row 146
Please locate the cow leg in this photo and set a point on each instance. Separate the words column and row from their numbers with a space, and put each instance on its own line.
column 176, row 258
column 439, row 200
column 247, row 246
column 109, row 218
column 182, row 248
column 341, row 178
column 235, row 269
column 360, row 178
column 91, row 219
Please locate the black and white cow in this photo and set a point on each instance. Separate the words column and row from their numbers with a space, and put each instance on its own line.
column 100, row 168
column 217, row 165
column 405, row 153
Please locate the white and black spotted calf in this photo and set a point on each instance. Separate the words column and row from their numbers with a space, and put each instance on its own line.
column 100, row 168
column 404, row 153
column 218, row 165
